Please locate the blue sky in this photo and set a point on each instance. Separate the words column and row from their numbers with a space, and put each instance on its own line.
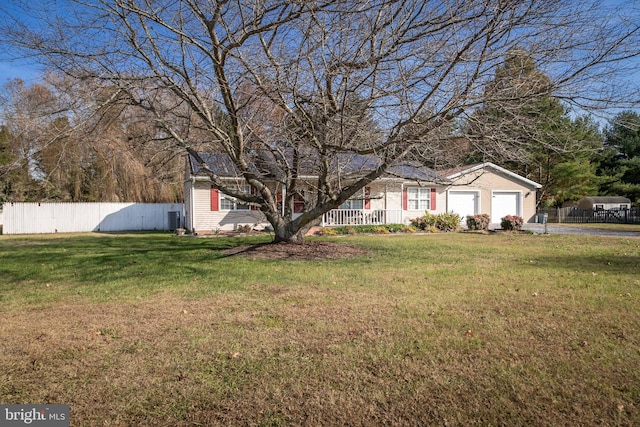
column 13, row 70
column 29, row 71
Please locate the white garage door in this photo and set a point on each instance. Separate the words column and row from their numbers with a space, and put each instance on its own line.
column 463, row 203
column 503, row 204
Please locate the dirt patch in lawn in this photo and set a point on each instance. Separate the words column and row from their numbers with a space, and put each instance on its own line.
column 297, row 251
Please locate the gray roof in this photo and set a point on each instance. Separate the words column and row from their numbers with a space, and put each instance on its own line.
column 454, row 173
column 347, row 163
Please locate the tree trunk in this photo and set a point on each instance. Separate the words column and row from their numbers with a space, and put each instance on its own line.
column 285, row 231
column 287, row 235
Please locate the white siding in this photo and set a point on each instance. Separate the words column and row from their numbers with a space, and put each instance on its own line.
column 33, row 218
column 205, row 220
column 394, row 196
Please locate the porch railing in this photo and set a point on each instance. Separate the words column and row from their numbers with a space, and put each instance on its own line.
column 337, row 217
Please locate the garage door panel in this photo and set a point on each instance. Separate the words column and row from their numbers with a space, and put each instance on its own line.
column 463, row 203
column 503, row 204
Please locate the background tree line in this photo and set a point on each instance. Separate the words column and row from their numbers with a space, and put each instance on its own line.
column 61, row 140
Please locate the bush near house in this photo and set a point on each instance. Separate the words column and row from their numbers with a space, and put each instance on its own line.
column 367, row 229
column 512, row 223
column 442, row 222
column 478, row 222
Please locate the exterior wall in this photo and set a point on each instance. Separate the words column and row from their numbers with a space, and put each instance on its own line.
column 33, row 218
column 440, row 202
column 384, row 195
column 387, row 195
column 206, row 221
column 488, row 181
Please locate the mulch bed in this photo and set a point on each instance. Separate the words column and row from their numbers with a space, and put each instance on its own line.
column 297, row 251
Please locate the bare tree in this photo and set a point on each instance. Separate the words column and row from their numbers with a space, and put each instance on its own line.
column 69, row 140
column 375, row 78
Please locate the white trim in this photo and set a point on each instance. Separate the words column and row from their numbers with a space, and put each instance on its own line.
column 499, row 169
column 192, row 204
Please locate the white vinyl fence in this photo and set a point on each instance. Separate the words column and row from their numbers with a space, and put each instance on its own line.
column 31, row 218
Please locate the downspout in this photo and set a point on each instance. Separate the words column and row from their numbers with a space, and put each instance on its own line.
column 192, row 205
column 402, row 203
column 284, row 196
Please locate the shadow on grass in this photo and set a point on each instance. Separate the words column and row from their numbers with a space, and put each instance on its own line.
column 105, row 257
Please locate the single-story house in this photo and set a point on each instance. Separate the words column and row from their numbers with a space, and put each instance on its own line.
column 598, row 203
column 403, row 193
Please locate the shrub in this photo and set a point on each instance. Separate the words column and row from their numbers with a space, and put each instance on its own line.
column 512, row 223
column 447, row 221
column 432, row 229
column 381, row 230
column 396, row 228
column 442, row 222
column 478, row 222
column 368, row 229
column 328, row 232
column 423, row 222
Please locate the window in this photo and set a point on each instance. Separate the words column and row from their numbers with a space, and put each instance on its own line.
column 355, row 202
column 599, row 207
column 418, row 198
column 228, row 203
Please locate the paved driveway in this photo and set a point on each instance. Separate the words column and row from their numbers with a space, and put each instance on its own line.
column 563, row 229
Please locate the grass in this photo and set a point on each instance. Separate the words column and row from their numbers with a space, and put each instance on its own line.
column 441, row 329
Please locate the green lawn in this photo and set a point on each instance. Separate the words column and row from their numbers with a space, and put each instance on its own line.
column 437, row 329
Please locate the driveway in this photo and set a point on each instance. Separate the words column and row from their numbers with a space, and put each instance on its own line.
column 563, row 229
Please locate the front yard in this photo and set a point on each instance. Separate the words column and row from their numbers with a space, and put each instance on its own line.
column 431, row 329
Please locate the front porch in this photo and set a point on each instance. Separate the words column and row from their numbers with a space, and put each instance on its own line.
column 341, row 217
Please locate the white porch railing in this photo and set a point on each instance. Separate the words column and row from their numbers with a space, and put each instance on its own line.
column 337, row 217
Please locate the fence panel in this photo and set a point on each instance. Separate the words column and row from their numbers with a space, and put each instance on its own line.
column 573, row 215
column 33, row 218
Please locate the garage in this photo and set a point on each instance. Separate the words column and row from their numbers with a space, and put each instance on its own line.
column 463, row 203
column 505, row 203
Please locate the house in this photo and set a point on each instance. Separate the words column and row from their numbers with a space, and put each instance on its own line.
column 604, row 203
column 404, row 192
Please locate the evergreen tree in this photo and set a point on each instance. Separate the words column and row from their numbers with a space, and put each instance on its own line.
column 522, row 127
column 619, row 161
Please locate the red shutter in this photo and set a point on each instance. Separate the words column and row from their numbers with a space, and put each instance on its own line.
column 253, row 193
column 367, row 197
column 405, row 199
column 215, row 200
column 433, row 199
column 298, row 204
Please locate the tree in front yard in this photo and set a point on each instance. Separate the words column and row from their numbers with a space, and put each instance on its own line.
column 290, row 88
